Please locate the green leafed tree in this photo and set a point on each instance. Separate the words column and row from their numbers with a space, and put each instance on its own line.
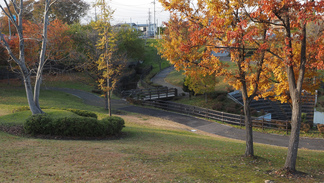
column 129, row 42
column 69, row 11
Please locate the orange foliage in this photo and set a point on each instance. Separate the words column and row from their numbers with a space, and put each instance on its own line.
column 58, row 46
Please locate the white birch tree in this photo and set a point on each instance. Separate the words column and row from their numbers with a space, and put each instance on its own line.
column 32, row 95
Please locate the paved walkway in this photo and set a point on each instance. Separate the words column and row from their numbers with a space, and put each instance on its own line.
column 196, row 123
column 159, row 79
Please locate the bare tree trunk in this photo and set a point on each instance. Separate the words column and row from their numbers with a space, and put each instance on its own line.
column 41, row 57
column 295, row 89
column 106, row 100
column 249, row 152
column 29, row 93
column 109, row 103
column 291, row 158
column 33, row 102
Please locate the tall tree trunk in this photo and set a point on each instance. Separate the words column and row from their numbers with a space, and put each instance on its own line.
column 108, row 95
column 41, row 57
column 109, row 103
column 291, row 158
column 249, row 152
column 106, row 100
column 295, row 89
column 29, row 93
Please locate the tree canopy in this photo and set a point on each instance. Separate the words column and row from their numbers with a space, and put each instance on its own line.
column 283, row 59
column 68, row 11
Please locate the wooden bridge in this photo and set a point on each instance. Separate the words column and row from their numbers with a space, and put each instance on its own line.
column 151, row 93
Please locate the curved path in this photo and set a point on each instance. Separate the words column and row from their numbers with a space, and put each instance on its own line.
column 197, row 123
column 159, row 79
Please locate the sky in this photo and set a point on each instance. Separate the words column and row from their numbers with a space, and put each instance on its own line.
column 135, row 11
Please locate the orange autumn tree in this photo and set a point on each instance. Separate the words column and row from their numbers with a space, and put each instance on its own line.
column 197, row 30
column 297, row 52
column 59, row 44
column 16, row 19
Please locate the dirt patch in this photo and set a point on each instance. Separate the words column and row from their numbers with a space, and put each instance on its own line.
column 17, row 130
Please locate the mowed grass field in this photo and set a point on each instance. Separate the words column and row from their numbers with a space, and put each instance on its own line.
column 149, row 150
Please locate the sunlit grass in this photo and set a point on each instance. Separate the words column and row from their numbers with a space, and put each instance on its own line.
column 175, row 78
column 14, row 97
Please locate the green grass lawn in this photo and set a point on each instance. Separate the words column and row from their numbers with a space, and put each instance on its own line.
column 175, row 78
column 149, row 150
column 147, row 153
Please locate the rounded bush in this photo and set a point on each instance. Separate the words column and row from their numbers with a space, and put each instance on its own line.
column 77, row 127
column 73, row 126
column 113, row 125
column 38, row 124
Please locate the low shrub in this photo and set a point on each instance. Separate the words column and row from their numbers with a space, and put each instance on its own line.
column 73, row 126
column 113, row 125
column 38, row 124
column 221, row 97
column 83, row 113
column 214, row 95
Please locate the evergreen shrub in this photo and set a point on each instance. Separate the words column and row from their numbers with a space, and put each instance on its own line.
column 42, row 124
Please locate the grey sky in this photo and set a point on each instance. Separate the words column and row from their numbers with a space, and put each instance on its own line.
column 130, row 10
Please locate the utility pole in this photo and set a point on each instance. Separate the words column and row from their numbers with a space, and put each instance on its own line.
column 96, row 18
column 149, row 27
column 154, row 25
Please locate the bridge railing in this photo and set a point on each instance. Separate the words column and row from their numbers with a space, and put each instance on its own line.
column 151, row 93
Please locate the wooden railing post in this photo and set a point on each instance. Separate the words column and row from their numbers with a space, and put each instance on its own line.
column 223, row 117
column 206, row 113
column 262, row 123
column 240, row 120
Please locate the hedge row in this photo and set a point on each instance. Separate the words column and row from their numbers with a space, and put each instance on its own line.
column 75, row 111
column 75, row 127
column 83, row 113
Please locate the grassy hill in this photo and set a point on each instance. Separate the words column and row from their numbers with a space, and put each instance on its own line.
column 149, row 150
